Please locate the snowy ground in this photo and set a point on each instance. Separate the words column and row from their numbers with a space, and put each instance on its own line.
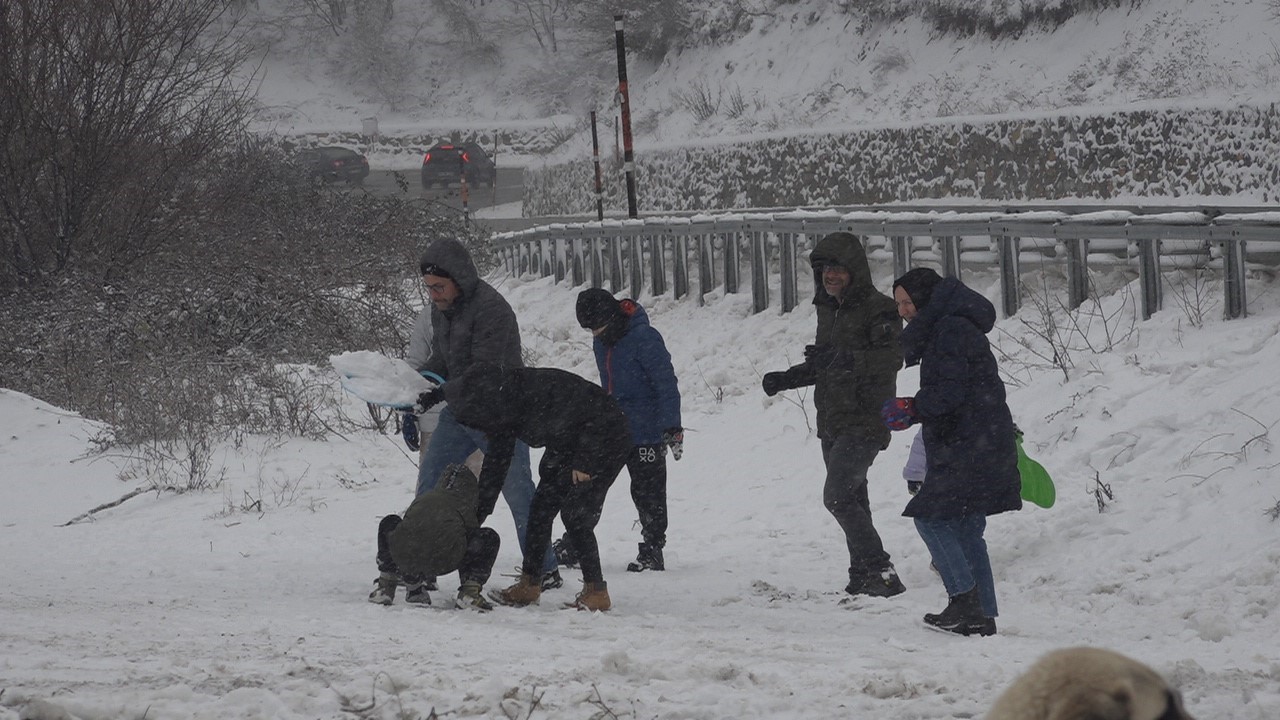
column 204, row 605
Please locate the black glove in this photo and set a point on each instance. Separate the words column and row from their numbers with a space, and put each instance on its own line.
column 409, row 429
column 819, row 355
column 429, row 399
column 674, row 439
column 774, row 383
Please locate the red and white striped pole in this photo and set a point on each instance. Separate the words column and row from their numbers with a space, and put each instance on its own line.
column 628, row 154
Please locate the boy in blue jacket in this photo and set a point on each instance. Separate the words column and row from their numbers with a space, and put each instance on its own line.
column 635, row 368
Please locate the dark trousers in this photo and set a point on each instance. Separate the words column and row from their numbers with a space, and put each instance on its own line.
column 647, row 466
column 477, row 561
column 579, row 507
column 848, row 458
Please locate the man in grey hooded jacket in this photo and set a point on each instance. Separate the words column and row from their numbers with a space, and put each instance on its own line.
column 471, row 322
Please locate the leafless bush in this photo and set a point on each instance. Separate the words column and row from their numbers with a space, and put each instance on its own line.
column 699, row 100
column 110, row 111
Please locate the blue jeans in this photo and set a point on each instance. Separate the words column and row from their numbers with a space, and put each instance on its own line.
column 452, row 443
column 960, row 555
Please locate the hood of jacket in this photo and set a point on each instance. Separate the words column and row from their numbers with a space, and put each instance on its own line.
column 630, row 316
column 452, row 256
column 950, row 298
column 843, row 249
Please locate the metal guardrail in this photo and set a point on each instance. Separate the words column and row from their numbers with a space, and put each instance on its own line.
column 624, row 253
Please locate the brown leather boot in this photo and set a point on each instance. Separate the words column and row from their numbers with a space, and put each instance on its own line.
column 526, row 591
column 594, row 597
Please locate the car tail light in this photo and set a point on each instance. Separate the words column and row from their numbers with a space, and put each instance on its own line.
column 466, row 158
column 426, row 159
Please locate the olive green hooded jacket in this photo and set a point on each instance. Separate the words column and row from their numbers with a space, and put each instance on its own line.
column 861, row 328
column 431, row 539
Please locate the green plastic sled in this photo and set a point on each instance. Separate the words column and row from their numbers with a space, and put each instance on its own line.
column 1037, row 486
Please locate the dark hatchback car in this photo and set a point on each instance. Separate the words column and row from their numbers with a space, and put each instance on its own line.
column 332, row 163
column 448, row 162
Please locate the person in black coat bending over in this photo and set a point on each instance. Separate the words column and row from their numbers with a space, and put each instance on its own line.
column 587, row 443
column 971, row 460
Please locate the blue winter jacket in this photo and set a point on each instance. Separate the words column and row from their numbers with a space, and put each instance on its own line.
column 967, row 428
column 637, row 372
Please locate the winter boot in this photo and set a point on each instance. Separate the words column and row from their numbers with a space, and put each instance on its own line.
column 384, row 589
column 882, row 583
column 417, row 593
column 963, row 616
column 649, row 558
column 526, row 591
column 552, row 580
column 469, row 598
column 566, row 555
column 594, row 597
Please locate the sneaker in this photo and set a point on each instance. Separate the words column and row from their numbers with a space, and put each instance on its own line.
column 418, row 594
column 884, row 583
column 552, row 580
column 649, row 558
column 384, row 589
column 565, row 554
column 594, row 597
column 526, row 591
column 470, row 598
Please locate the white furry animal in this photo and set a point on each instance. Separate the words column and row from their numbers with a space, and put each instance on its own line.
column 1088, row 684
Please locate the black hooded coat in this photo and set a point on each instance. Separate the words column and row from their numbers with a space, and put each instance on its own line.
column 968, row 430
column 570, row 416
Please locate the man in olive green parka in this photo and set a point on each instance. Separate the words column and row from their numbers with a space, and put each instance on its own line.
column 853, row 366
column 439, row 533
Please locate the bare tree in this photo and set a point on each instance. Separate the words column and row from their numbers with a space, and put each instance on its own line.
column 108, row 104
column 544, row 17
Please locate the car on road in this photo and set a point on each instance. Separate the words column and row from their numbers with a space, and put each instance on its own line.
column 333, row 163
column 447, row 163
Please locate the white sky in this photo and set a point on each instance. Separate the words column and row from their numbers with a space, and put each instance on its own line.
column 191, row 606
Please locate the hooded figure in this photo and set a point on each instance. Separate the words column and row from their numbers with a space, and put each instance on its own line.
column 853, row 366
column 970, row 454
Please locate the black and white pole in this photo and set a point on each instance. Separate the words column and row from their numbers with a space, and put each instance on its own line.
column 628, row 154
column 595, row 158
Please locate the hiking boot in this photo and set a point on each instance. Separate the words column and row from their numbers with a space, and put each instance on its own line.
column 552, row 580
column 594, row 597
column 566, row 555
column 526, row 591
column 470, row 598
column 384, row 589
column 649, row 558
column 883, row 583
column 417, row 593
column 963, row 616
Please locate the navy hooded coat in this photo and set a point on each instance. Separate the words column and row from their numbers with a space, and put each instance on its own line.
column 968, row 430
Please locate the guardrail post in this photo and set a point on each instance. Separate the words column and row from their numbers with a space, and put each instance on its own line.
column 731, row 257
column 759, row 271
column 1077, row 271
column 637, row 265
column 615, row 264
column 1149, row 276
column 680, row 264
column 706, row 265
column 950, row 256
column 657, row 265
column 901, row 255
column 1233, row 272
column 578, row 274
column 558, row 253
column 544, row 265
column 787, row 268
column 593, row 261
column 1007, row 249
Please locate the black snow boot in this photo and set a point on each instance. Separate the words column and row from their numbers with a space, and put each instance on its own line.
column 877, row 583
column 963, row 616
column 384, row 589
column 649, row 558
column 566, row 555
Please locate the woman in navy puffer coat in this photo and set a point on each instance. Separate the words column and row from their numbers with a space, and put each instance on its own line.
column 968, row 432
